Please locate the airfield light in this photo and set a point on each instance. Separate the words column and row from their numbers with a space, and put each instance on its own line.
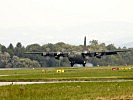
column 60, row 71
column 42, row 70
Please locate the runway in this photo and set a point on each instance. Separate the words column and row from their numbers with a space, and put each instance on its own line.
column 48, row 82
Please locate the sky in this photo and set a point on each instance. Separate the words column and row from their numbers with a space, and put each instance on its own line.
column 52, row 21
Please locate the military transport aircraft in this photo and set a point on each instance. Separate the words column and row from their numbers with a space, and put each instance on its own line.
column 77, row 57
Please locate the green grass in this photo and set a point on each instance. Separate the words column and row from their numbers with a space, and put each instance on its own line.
column 69, row 91
column 47, row 74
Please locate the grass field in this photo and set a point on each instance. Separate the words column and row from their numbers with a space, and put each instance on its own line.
column 69, row 91
column 48, row 74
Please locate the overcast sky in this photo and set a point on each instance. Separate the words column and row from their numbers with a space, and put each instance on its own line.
column 51, row 21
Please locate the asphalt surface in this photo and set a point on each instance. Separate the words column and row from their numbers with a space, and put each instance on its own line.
column 46, row 82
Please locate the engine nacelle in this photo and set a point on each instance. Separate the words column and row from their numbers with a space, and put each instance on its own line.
column 57, row 57
column 44, row 54
column 98, row 56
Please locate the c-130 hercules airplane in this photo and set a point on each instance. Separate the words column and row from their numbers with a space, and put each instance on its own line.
column 77, row 57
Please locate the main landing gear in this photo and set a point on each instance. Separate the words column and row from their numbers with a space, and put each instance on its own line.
column 72, row 64
column 84, row 64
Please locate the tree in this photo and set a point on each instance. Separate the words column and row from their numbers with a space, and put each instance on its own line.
column 19, row 45
column 24, row 63
column 10, row 50
column 3, row 49
column 19, row 50
column 111, row 47
column 4, row 59
column 94, row 46
column 15, row 57
column 33, row 47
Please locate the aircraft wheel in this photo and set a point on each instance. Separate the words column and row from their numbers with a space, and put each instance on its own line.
column 84, row 65
column 71, row 64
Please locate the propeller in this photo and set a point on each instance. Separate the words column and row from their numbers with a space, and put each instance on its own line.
column 61, row 58
column 47, row 57
column 98, row 56
column 58, row 56
column 87, row 57
column 44, row 54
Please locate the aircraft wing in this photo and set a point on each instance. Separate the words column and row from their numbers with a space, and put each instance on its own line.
column 102, row 53
column 57, row 55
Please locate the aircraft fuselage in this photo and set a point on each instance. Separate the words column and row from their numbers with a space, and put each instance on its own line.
column 76, row 59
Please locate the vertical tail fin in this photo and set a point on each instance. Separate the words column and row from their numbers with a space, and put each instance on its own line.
column 85, row 43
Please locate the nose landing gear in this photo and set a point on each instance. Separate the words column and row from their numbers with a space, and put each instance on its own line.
column 72, row 64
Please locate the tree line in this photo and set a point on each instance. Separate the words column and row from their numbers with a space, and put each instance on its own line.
column 15, row 57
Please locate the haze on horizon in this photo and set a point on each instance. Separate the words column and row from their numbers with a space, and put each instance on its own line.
column 52, row 21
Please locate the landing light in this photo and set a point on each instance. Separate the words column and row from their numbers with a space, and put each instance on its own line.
column 85, row 51
column 58, row 53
